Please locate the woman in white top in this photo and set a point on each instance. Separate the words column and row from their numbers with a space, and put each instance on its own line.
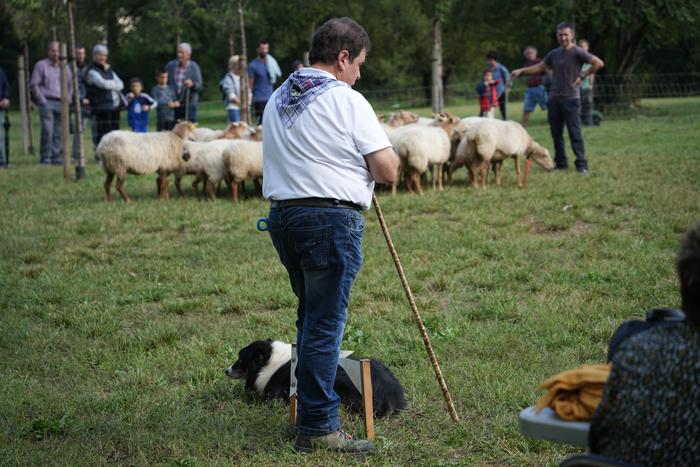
column 231, row 88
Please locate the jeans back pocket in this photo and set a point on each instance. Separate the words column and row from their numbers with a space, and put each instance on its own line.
column 311, row 245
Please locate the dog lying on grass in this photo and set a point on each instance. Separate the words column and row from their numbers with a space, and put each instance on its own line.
column 266, row 365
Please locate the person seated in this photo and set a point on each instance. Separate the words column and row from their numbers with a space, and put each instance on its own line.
column 650, row 412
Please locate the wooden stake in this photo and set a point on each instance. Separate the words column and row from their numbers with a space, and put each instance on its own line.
column 437, row 95
column 245, row 108
column 416, row 314
column 367, row 404
column 65, row 114
column 80, row 169
column 293, row 410
column 27, row 96
column 23, row 104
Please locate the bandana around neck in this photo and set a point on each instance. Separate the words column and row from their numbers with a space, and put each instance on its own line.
column 298, row 92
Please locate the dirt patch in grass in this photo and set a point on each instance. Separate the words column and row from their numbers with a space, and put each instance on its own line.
column 577, row 229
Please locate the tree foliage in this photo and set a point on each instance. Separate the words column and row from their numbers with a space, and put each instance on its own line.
column 631, row 36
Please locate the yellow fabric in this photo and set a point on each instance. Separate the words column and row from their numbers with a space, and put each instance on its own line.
column 575, row 394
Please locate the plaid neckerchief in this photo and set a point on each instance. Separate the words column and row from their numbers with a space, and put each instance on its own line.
column 298, row 92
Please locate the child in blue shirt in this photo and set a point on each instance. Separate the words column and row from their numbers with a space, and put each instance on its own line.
column 139, row 103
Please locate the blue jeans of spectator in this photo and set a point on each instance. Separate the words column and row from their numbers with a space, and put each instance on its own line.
column 321, row 248
column 234, row 115
column 534, row 96
column 566, row 112
column 181, row 111
column 587, row 106
column 2, row 141
column 50, row 118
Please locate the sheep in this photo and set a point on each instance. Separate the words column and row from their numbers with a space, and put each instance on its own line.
column 123, row 152
column 493, row 141
column 420, row 147
column 232, row 131
column 242, row 161
column 459, row 133
column 206, row 160
column 252, row 134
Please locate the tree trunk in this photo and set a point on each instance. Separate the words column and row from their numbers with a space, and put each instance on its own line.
column 80, row 168
column 23, row 105
column 65, row 117
column 312, row 29
column 437, row 94
column 245, row 107
column 231, row 42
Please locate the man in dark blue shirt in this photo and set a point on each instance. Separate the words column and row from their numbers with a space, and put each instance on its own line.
column 260, row 81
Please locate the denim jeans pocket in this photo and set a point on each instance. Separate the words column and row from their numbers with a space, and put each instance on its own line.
column 311, row 245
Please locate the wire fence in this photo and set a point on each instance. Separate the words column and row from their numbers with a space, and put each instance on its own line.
column 610, row 90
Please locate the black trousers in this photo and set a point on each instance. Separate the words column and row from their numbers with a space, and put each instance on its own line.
column 105, row 121
column 166, row 125
column 567, row 112
column 259, row 108
column 502, row 101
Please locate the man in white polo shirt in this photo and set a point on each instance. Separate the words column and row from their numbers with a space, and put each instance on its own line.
column 324, row 149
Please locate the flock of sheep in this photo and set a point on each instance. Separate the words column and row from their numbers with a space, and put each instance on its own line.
column 235, row 155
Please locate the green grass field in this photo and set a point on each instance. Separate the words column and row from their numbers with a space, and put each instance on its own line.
column 118, row 320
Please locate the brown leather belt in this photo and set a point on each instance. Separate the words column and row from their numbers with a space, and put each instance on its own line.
column 315, row 203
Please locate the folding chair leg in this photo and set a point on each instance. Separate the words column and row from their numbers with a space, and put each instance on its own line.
column 367, row 398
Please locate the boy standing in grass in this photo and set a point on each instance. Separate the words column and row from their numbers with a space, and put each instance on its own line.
column 166, row 101
column 139, row 105
column 487, row 90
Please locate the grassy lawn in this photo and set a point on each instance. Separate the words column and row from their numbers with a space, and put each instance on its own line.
column 118, row 320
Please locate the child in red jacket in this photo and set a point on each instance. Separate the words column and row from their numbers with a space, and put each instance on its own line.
column 488, row 95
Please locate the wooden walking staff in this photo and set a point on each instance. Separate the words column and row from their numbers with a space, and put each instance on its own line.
column 416, row 314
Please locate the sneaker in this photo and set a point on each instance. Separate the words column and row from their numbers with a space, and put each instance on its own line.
column 338, row 441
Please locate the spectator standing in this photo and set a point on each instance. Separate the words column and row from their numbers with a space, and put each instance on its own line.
column 80, row 70
column 586, row 89
column 488, row 95
column 262, row 74
column 4, row 105
column 104, row 92
column 45, row 86
column 138, row 104
column 564, row 102
column 230, row 86
column 535, row 94
column 166, row 102
column 185, row 77
column 324, row 149
column 502, row 75
column 649, row 414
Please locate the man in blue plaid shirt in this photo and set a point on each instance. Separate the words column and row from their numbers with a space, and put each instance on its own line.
column 324, row 149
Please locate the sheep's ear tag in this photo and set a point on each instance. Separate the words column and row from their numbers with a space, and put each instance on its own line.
column 193, row 125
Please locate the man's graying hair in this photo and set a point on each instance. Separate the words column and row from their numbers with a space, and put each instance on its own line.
column 186, row 46
column 100, row 49
column 335, row 35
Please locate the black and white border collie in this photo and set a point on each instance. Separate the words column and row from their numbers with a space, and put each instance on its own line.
column 265, row 366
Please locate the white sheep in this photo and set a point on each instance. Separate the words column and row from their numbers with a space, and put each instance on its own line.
column 206, row 161
column 459, row 133
column 420, row 147
column 123, row 152
column 492, row 142
column 234, row 130
column 243, row 161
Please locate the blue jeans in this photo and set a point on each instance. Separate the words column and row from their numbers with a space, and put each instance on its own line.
column 535, row 96
column 566, row 111
column 321, row 248
column 234, row 115
column 50, row 117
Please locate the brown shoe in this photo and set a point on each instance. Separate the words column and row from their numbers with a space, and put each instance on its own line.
column 338, row 441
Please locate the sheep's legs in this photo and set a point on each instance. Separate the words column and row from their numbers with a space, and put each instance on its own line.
column 440, row 174
column 234, row 191
column 195, row 184
column 209, row 187
column 163, row 186
column 108, row 187
column 498, row 172
column 484, row 174
column 178, row 178
column 407, row 181
column 517, row 172
column 474, row 172
column 120, row 189
column 416, row 180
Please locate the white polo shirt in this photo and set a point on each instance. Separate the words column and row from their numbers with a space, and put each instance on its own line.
column 321, row 154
